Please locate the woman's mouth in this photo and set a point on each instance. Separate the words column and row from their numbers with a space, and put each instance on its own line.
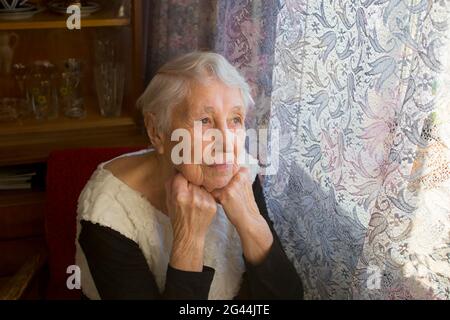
column 221, row 166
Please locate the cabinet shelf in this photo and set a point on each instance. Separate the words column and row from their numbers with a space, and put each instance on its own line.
column 92, row 120
column 49, row 20
column 10, row 198
column 30, row 140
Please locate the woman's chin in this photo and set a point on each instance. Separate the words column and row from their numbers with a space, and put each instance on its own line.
column 217, row 183
column 218, row 177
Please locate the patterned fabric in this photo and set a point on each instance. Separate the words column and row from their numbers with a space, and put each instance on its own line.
column 362, row 196
column 241, row 30
column 178, row 27
column 246, row 37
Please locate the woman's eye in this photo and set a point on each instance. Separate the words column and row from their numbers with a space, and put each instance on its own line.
column 205, row 121
column 237, row 120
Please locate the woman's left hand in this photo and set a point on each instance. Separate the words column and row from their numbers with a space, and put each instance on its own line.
column 239, row 204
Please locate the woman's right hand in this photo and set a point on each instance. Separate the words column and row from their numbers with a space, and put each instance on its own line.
column 191, row 210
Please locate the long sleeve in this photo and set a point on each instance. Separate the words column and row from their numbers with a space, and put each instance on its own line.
column 120, row 271
column 275, row 277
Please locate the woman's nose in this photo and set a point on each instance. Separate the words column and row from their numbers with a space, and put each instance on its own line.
column 227, row 140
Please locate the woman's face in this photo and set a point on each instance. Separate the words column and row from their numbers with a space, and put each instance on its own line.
column 211, row 106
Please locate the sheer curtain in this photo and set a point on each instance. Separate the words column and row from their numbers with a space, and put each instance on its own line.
column 360, row 101
column 241, row 30
column 355, row 92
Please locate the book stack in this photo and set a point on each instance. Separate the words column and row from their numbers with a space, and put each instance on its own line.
column 17, row 177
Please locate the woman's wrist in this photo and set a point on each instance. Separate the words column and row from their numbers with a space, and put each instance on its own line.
column 256, row 239
column 187, row 254
column 248, row 218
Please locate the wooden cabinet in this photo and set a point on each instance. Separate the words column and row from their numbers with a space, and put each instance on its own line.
column 27, row 140
column 21, row 228
column 46, row 37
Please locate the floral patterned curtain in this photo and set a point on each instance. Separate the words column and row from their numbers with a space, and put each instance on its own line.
column 355, row 92
column 241, row 30
column 361, row 103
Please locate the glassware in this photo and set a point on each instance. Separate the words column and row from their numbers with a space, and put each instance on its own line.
column 122, row 8
column 70, row 90
column 9, row 109
column 109, row 74
column 8, row 43
column 53, row 76
column 105, row 47
column 21, row 75
column 43, row 93
column 110, row 81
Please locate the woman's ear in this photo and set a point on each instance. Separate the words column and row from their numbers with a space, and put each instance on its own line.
column 155, row 135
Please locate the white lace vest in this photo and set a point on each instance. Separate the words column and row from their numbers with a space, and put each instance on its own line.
column 108, row 201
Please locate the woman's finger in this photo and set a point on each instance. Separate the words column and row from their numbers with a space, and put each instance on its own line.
column 217, row 195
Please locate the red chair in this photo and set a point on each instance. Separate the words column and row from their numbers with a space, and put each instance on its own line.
column 67, row 173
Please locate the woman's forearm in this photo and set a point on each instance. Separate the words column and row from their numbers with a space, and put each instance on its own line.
column 256, row 239
column 191, row 210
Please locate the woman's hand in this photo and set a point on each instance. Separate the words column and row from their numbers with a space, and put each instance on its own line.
column 191, row 211
column 241, row 209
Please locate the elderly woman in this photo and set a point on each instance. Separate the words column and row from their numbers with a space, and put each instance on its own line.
column 150, row 227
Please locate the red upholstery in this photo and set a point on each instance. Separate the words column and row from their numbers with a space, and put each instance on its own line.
column 67, row 173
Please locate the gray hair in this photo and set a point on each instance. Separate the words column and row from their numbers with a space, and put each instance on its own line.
column 170, row 86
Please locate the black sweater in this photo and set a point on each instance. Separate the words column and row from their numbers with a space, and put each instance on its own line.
column 120, row 271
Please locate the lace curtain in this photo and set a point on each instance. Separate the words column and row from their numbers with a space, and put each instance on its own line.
column 241, row 30
column 360, row 101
